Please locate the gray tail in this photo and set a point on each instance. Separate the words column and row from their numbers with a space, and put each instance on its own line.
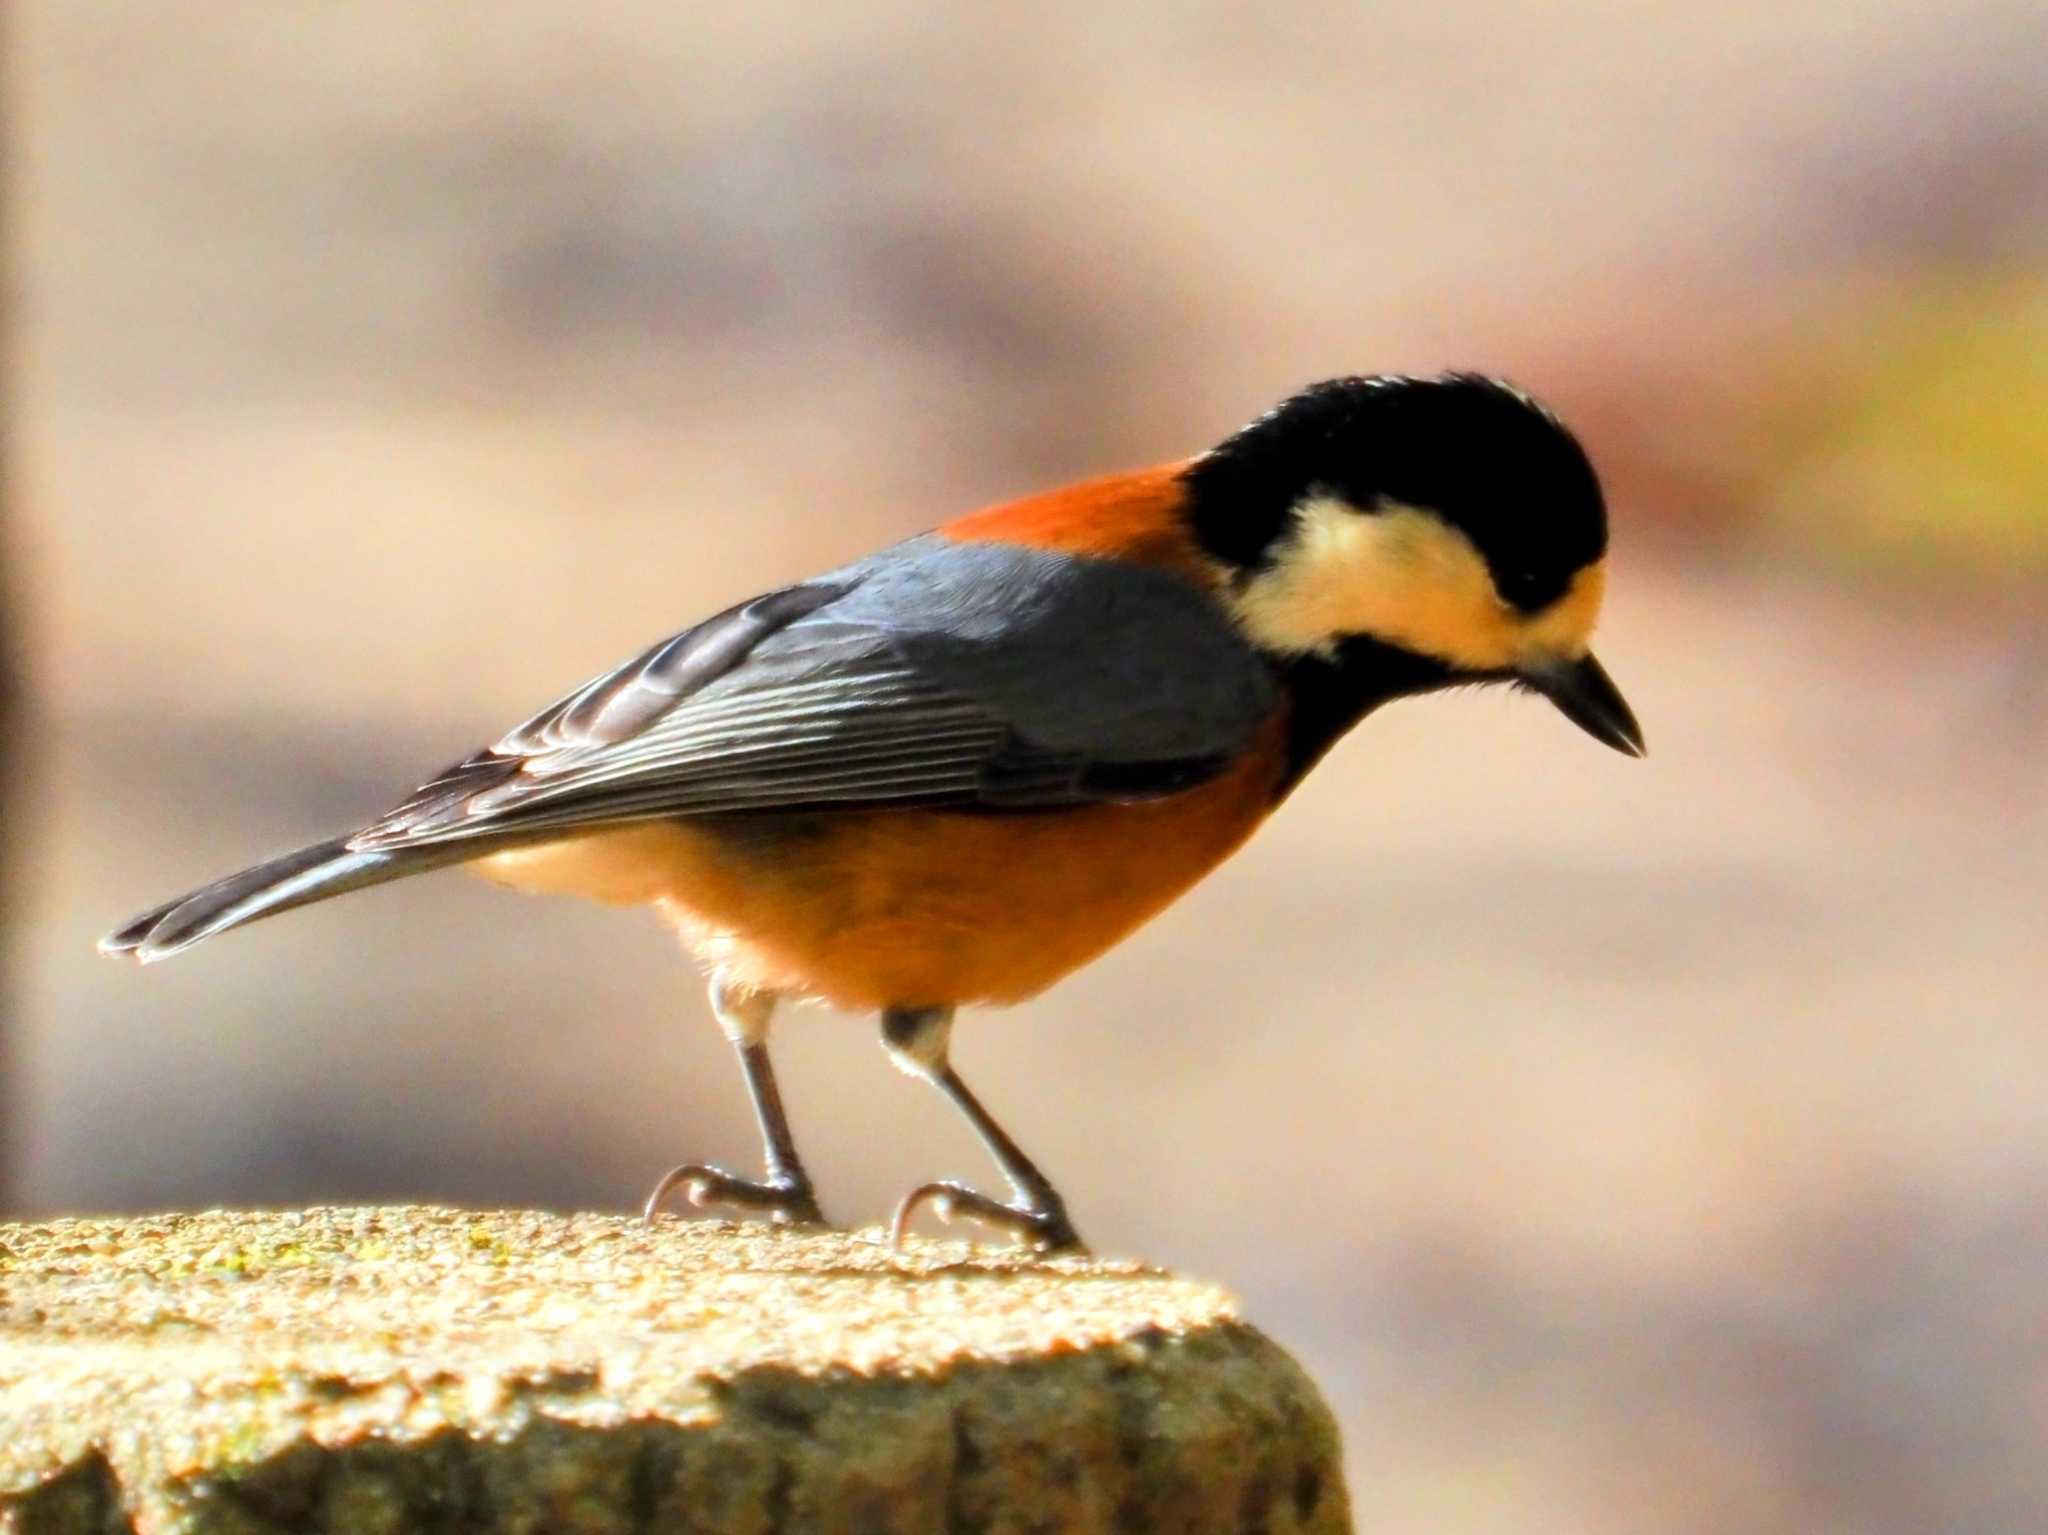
column 311, row 874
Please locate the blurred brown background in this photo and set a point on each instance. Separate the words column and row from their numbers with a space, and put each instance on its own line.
column 1626, row 1147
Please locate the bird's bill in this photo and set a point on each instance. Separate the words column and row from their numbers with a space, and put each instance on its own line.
column 1587, row 696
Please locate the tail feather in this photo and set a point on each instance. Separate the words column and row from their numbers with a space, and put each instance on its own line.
column 310, row 874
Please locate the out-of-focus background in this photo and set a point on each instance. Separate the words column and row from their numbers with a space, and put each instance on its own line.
column 1625, row 1146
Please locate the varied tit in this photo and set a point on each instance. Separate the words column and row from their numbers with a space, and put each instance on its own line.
column 954, row 771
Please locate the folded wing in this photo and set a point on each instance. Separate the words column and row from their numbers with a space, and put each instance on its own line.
column 936, row 673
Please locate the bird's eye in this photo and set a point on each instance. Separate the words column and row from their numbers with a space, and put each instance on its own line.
column 1523, row 588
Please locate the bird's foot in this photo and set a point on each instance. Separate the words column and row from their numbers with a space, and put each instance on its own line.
column 1041, row 1222
column 786, row 1201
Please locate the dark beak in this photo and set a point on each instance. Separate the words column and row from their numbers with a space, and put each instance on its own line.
column 1587, row 696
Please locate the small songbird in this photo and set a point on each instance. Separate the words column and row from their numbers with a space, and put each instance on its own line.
column 958, row 769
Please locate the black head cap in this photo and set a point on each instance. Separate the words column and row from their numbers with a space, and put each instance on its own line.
column 1479, row 453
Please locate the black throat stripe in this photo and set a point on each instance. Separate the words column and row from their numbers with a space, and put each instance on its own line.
column 1328, row 694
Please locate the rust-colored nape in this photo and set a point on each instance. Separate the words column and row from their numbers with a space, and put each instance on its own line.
column 1137, row 516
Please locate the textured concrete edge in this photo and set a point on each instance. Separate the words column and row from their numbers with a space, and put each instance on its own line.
column 1215, row 1430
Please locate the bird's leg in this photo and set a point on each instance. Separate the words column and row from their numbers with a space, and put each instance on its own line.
column 916, row 1039
column 786, row 1192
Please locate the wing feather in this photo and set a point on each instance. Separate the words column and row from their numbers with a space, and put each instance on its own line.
column 932, row 674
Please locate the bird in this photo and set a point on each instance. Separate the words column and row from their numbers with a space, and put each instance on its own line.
column 951, row 773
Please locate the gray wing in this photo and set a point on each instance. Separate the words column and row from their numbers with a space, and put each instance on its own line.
column 933, row 673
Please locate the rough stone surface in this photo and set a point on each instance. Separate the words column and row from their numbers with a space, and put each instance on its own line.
column 416, row 1369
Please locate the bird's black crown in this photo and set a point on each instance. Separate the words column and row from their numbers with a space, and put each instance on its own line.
column 1482, row 455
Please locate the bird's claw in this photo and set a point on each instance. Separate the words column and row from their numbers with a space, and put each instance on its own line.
column 786, row 1201
column 1043, row 1225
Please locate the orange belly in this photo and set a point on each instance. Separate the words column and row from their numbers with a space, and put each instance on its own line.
column 911, row 907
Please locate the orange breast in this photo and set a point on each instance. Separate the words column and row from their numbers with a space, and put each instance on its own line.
column 885, row 908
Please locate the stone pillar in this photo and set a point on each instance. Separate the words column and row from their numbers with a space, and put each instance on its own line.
column 426, row 1369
